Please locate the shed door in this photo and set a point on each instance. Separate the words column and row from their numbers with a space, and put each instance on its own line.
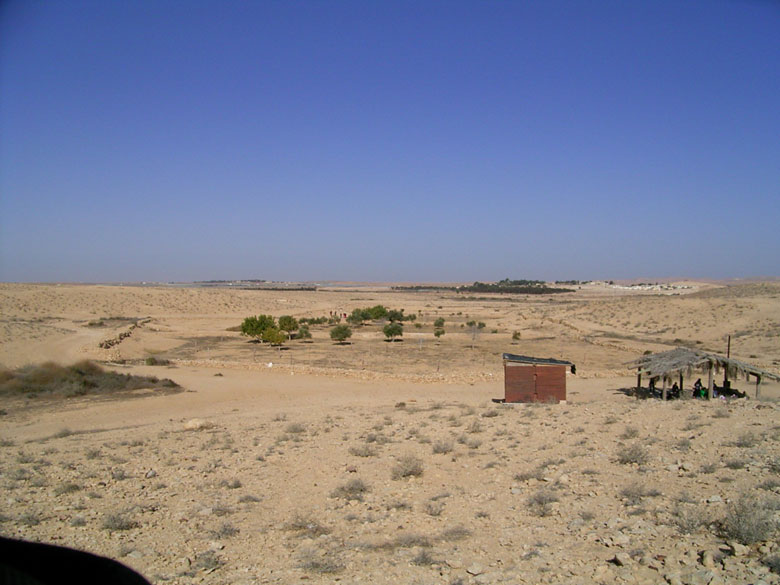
column 519, row 383
column 550, row 383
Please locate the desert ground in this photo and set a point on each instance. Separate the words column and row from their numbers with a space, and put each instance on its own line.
column 388, row 462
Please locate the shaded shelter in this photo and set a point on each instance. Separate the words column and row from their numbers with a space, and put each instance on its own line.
column 682, row 361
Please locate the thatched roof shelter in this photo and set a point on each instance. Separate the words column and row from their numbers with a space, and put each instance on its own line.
column 683, row 361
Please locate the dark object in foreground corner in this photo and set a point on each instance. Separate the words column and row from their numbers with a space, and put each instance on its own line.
column 32, row 563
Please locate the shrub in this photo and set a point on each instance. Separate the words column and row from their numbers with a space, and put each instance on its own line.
column 153, row 361
column 114, row 522
column 307, row 526
column 749, row 520
column 303, row 332
column 340, row 333
column 407, row 466
column 442, row 447
column 81, row 378
column 540, row 503
column 633, row 454
column 362, row 451
column 352, row 490
column 438, row 333
column 439, row 323
column 635, row 492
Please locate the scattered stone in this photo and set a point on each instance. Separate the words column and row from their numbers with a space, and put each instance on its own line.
column 475, row 569
column 150, row 474
column 714, row 499
column 197, row 424
column 737, row 549
column 707, row 559
column 621, row 559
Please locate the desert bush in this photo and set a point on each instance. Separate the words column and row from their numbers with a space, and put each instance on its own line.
column 748, row 520
column 773, row 563
column 442, row 447
column 225, row 530
column 735, row 464
column 362, row 451
column 433, row 507
column 303, row 332
column 636, row 492
column 306, row 526
column 295, row 428
column 745, row 440
column 314, row 562
column 29, row 519
column 439, row 323
column 455, row 533
column 540, row 503
column 630, row 433
column 490, row 413
column 81, row 378
column 407, row 466
column 354, row 489
column 207, row 561
column 248, row 499
column 66, row 488
column 634, row 453
column 116, row 522
column 154, row 361
column 689, row 519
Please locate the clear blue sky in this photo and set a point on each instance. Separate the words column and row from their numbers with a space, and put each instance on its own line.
column 425, row 140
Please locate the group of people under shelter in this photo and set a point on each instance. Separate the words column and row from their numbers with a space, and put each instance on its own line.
column 700, row 391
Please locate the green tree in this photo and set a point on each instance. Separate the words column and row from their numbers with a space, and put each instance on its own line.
column 254, row 326
column 274, row 336
column 288, row 324
column 395, row 315
column 439, row 323
column 357, row 317
column 392, row 330
column 340, row 333
column 377, row 312
column 303, row 332
column 438, row 333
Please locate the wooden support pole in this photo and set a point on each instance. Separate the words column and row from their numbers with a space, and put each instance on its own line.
column 682, row 394
column 709, row 382
column 638, row 382
column 663, row 389
column 758, row 387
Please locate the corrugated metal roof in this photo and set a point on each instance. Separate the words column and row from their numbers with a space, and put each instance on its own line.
column 524, row 359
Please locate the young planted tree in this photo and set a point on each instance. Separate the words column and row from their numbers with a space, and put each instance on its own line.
column 438, row 333
column 288, row 324
column 254, row 326
column 274, row 336
column 475, row 328
column 392, row 330
column 439, row 323
column 303, row 332
column 340, row 333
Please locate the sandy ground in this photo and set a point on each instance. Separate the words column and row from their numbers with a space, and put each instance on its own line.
column 293, row 472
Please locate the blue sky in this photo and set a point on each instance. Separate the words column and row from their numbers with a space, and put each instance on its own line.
column 426, row 140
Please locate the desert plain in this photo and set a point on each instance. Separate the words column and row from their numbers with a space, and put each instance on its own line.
column 388, row 462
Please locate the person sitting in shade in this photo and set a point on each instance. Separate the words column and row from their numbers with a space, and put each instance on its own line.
column 698, row 390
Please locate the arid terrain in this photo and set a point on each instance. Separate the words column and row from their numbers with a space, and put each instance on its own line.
column 388, row 462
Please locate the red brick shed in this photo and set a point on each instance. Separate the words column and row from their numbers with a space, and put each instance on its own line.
column 530, row 379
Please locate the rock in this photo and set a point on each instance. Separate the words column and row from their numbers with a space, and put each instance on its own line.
column 707, row 559
column 737, row 549
column 714, row 499
column 697, row 577
column 515, row 491
column 487, row 578
column 197, row 424
column 475, row 569
column 621, row 559
column 150, row 474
